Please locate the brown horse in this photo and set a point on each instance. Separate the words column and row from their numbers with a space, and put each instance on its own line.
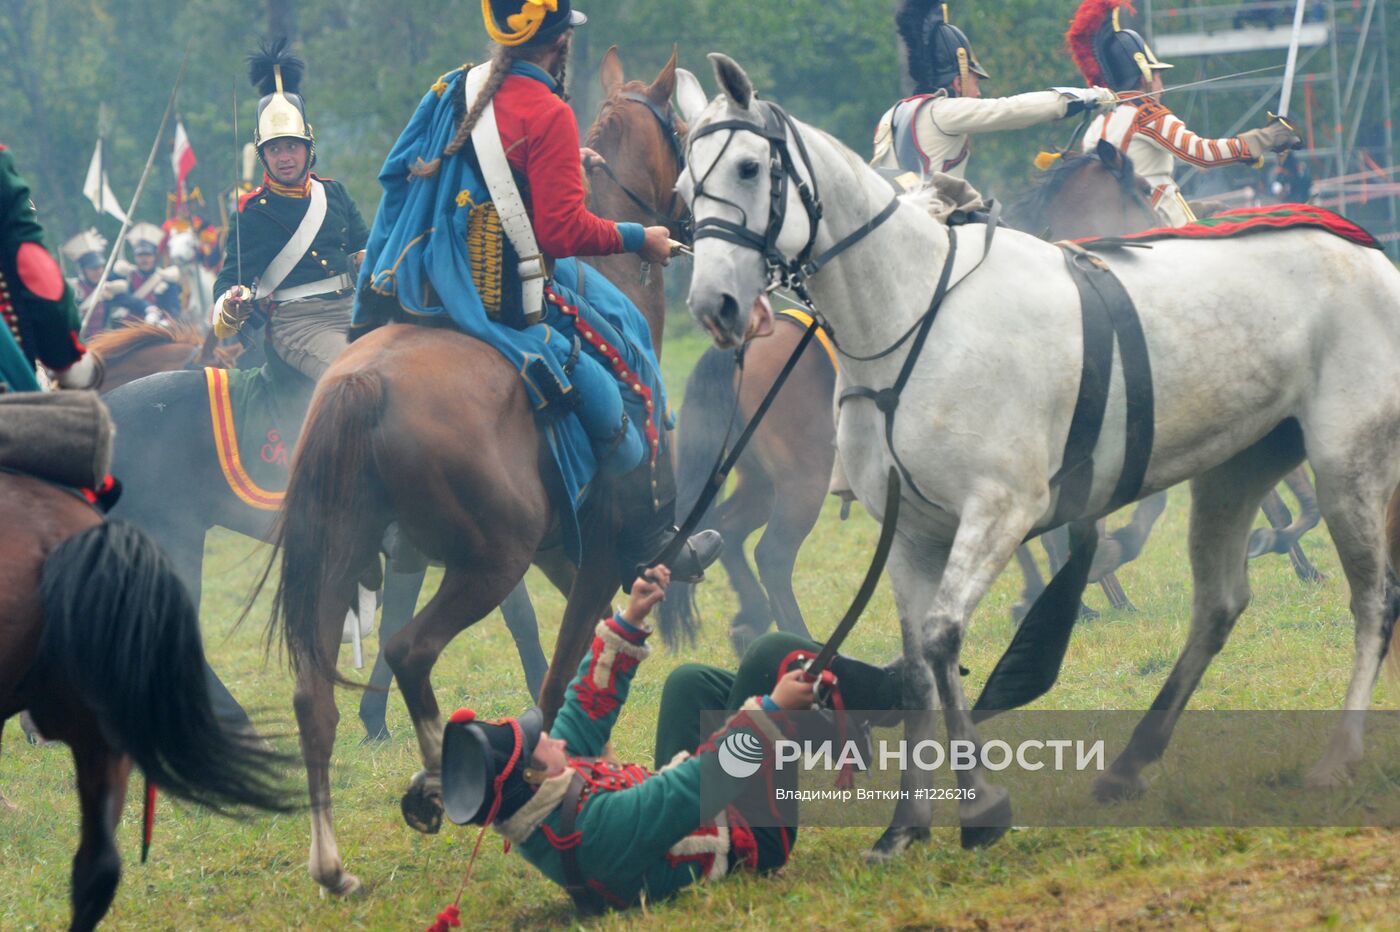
column 100, row 642
column 136, row 350
column 387, row 438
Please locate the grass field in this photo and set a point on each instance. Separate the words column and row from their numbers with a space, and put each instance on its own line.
column 1291, row 650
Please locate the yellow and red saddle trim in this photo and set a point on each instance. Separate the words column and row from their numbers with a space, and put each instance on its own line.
column 804, row 320
column 621, row 371
column 226, row 446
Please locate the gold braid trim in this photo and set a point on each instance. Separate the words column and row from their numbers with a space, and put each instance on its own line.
column 485, row 245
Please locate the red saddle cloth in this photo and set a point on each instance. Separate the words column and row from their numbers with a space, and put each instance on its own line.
column 1243, row 221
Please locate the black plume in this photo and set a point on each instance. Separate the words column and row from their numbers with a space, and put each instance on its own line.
column 912, row 22
column 268, row 55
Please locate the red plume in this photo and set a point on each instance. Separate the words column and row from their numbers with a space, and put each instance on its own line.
column 1087, row 22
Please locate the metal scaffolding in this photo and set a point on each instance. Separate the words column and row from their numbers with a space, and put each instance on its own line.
column 1342, row 103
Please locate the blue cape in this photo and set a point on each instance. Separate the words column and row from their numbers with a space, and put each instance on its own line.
column 419, row 239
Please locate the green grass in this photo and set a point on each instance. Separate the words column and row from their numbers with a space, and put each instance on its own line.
column 1291, row 650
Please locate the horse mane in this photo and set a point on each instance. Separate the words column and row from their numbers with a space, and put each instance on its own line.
column 1027, row 212
column 133, row 336
column 611, row 114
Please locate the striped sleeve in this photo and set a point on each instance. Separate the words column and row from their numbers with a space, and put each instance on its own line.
column 1166, row 128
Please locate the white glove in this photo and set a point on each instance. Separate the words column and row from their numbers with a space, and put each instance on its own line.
column 153, row 314
column 87, row 372
column 1093, row 99
column 122, row 267
column 113, row 288
column 169, row 274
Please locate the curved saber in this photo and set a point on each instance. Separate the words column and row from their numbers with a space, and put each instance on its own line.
column 96, row 297
column 872, row 579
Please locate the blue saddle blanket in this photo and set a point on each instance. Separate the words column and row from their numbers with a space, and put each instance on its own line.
column 586, row 364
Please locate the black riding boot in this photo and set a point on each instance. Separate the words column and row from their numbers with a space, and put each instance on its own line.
column 648, row 527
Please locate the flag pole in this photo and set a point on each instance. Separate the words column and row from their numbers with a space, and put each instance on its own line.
column 96, row 295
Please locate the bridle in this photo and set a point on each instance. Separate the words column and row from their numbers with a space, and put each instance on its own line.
column 785, row 271
column 676, row 220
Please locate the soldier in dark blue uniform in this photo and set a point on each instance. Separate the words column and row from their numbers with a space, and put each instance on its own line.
column 88, row 251
column 157, row 286
column 301, row 235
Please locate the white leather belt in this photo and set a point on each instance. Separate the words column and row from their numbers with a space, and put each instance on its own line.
column 326, row 286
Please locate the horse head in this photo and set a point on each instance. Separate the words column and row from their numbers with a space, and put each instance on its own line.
column 1096, row 193
column 748, row 181
column 642, row 144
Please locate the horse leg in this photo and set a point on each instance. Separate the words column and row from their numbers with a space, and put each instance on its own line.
column 745, row 510
column 1124, row 545
column 1265, row 540
column 915, row 571
column 1308, row 517
column 990, row 528
column 1056, row 544
column 400, row 599
column 1117, row 598
column 1032, row 584
column 317, row 718
column 1223, row 503
column 97, row 867
column 795, row 513
column 524, row 628
column 1351, row 490
column 594, row 586
column 462, row 600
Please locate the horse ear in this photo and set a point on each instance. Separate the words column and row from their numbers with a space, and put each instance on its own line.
column 690, row 96
column 610, row 71
column 733, row 80
column 664, row 86
column 1110, row 156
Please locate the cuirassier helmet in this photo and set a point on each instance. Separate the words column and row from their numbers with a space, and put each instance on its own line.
column 277, row 74
column 938, row 51
column 1108, row 55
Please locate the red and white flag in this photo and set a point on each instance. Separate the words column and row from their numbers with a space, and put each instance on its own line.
column 182, row 159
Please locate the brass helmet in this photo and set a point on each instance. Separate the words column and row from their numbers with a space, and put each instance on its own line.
column 938, row 51
column 277, row 73
column 1107, row 53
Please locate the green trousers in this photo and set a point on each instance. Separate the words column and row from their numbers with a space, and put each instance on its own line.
column 693, row 688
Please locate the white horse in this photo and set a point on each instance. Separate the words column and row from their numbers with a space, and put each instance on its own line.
column 1264, row 349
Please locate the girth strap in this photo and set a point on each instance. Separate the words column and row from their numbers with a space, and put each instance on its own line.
column 1108, row 315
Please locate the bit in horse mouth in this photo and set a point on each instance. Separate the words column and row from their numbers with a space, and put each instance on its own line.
column 760, row 319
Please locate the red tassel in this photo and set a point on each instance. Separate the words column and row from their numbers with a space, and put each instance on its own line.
column 449, row 918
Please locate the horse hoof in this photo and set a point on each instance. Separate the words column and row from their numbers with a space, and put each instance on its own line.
column 1087, row 614
column 1326, row 775
column 349, row 885
column 991, row 820
column 740, row 637
column 894, row 842
column 1114, row 787
column 1018, row 613
column 422, row 809
column 375, row 735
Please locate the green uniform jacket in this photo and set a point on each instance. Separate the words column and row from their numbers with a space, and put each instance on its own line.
column 267, row 220
column 638, row 832
column 46, row 327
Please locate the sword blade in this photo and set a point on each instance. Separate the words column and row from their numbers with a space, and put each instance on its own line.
column 1203, row 82
column 1286, row 96
column 872, row 578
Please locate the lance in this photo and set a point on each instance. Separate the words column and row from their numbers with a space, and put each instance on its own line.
column 96, row 295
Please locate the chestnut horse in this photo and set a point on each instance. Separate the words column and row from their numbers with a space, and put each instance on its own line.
column 136, row 350
column 388, row 439
column 100, row 642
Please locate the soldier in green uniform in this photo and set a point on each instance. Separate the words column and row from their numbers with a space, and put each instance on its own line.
column 301, row 235
column 611, row 833
column 40, row 317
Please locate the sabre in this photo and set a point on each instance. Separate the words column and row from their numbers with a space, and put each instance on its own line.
column 1202, row 82
column 1286, row 95
column 96, row 295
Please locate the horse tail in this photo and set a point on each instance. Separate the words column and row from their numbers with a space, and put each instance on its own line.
column 121, row 630
column 704, row 421
column 1391, row 606
column 323, row 530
